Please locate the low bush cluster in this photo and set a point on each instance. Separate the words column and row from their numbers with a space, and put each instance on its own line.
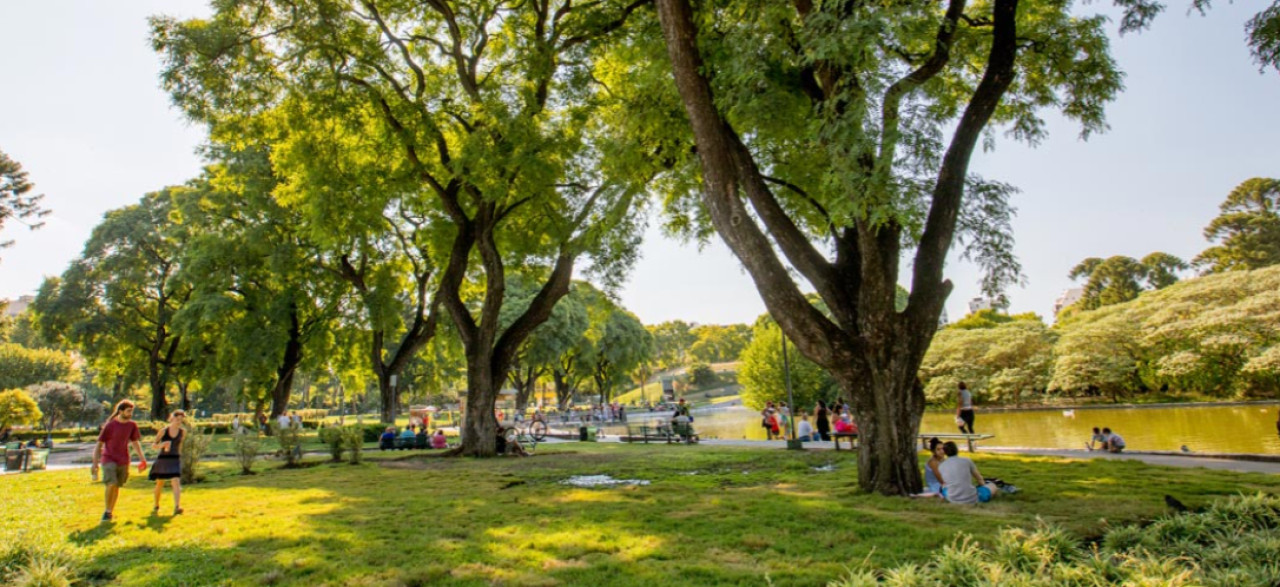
column 1232, row 542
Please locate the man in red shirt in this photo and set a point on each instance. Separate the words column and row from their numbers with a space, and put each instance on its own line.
column 119, row 433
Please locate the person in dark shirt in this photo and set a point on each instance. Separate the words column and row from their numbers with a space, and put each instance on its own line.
column 112, row 452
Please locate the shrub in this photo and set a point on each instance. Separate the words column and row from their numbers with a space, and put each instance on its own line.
column 1231, row 543
column 702, row 375
column 332, row 437
column 247, row 444
column 371, row 432
column 193, row 448
column 290, row 440
column 44, row 572
column 354, row 439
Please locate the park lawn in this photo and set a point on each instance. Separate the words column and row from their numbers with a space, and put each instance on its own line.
column 710, row 515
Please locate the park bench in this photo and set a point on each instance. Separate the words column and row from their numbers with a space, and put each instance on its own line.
column 945, row 436
column 17, row 458
column 413, row 442
column 851, row 436
column 663, row 432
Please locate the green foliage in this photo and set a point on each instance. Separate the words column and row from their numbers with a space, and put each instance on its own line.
column 334, row 440
column 354, row 438
column 117, row 301
column 290, row 440
column 719, row 344
column 194, row 446
column 1247, row 231
column 59, row 402
column 702, row 375
column 763, row 377
column 16, row 200
column 21, row 366
column 990, row 318
column 18, row 409
column 999, row 362
column 671, row 343
column 1119, row 279
column 1214, row 547
column 247, row 445
column 1210, row 335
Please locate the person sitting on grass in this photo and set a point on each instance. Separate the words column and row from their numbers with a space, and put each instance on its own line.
column 388, row 439
column 438, row 440
column 1114, row 442
column 845, row 425
column 1098, row 439
column 932, row 478
column 958, row 477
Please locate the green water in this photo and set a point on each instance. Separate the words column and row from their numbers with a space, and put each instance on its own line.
column 1225, row 429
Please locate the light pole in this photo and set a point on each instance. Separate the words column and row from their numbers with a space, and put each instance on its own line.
column 793, row 443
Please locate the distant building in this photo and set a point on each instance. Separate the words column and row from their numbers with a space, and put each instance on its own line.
column 1068, row 297
column 980, row 303
column 18, row 306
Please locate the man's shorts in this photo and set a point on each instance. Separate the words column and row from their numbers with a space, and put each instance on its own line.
column 115, row 474
column 984, row 494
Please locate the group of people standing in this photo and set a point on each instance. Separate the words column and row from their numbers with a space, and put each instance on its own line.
column 837, row 418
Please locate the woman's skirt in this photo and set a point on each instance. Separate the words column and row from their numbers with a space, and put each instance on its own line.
column 166, row 468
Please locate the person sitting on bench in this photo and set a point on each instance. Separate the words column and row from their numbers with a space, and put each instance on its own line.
column 959, row 476
column 388, row 439
column 438, row 440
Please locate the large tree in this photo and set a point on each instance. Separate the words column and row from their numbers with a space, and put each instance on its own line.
column 1118, row 278
column 497, row 123
column 262, row 304
column 824, row 125
column 16, row 200
column 118, row 299
column 1247, row 231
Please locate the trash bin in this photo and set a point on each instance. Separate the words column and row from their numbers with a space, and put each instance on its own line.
column 591, row 434
column 582, row 433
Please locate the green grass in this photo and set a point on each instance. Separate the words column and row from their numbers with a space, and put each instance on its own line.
column 710, row 516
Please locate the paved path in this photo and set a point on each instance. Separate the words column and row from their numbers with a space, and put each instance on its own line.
column 1243, row 466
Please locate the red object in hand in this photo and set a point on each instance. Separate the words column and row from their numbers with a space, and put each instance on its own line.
column 142, row 466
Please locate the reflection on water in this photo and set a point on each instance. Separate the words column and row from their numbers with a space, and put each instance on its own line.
column 1227, row 429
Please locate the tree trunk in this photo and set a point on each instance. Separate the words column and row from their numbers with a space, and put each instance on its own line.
column 288, row 367
column 524, row 380
column 183, row 387
column 564, row 390
column 479, row 425
column 887, row 407
column 159, row 384
column 389, row 397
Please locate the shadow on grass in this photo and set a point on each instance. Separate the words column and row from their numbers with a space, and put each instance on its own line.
column 721, row 516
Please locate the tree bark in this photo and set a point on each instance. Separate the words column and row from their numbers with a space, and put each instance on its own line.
column 283, row 388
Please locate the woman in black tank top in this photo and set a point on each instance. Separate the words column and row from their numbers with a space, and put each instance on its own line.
column 168, row 464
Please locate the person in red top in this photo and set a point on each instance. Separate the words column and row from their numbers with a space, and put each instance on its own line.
column 118, row 434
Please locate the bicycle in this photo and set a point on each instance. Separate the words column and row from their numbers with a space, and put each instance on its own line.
column 536, row 429
column 522, row 439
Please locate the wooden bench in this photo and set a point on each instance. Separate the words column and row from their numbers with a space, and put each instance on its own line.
column 945, row 436
column 852, row 436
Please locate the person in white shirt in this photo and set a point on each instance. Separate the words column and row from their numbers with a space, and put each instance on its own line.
column 284, row 421
column 962, row 483
column 804, row 430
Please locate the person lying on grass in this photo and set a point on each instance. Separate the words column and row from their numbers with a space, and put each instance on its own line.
column 959, row 475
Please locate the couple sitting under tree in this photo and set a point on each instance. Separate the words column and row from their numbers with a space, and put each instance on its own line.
column 956, row 478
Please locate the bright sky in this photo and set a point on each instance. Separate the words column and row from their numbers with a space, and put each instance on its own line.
column 82, row 110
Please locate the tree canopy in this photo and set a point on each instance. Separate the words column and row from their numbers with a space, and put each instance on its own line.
column 1247, row 231
column 16, row 200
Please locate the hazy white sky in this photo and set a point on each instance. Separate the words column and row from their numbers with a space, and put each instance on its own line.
column 81, row 109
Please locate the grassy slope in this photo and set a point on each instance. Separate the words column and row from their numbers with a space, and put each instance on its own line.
column 746, row 513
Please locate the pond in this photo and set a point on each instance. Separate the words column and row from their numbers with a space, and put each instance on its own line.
column 1243, row 428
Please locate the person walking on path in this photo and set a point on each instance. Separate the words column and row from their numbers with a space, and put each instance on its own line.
column 964, row 409
column 168, row 463
column 112, row 452
column 823, row 420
